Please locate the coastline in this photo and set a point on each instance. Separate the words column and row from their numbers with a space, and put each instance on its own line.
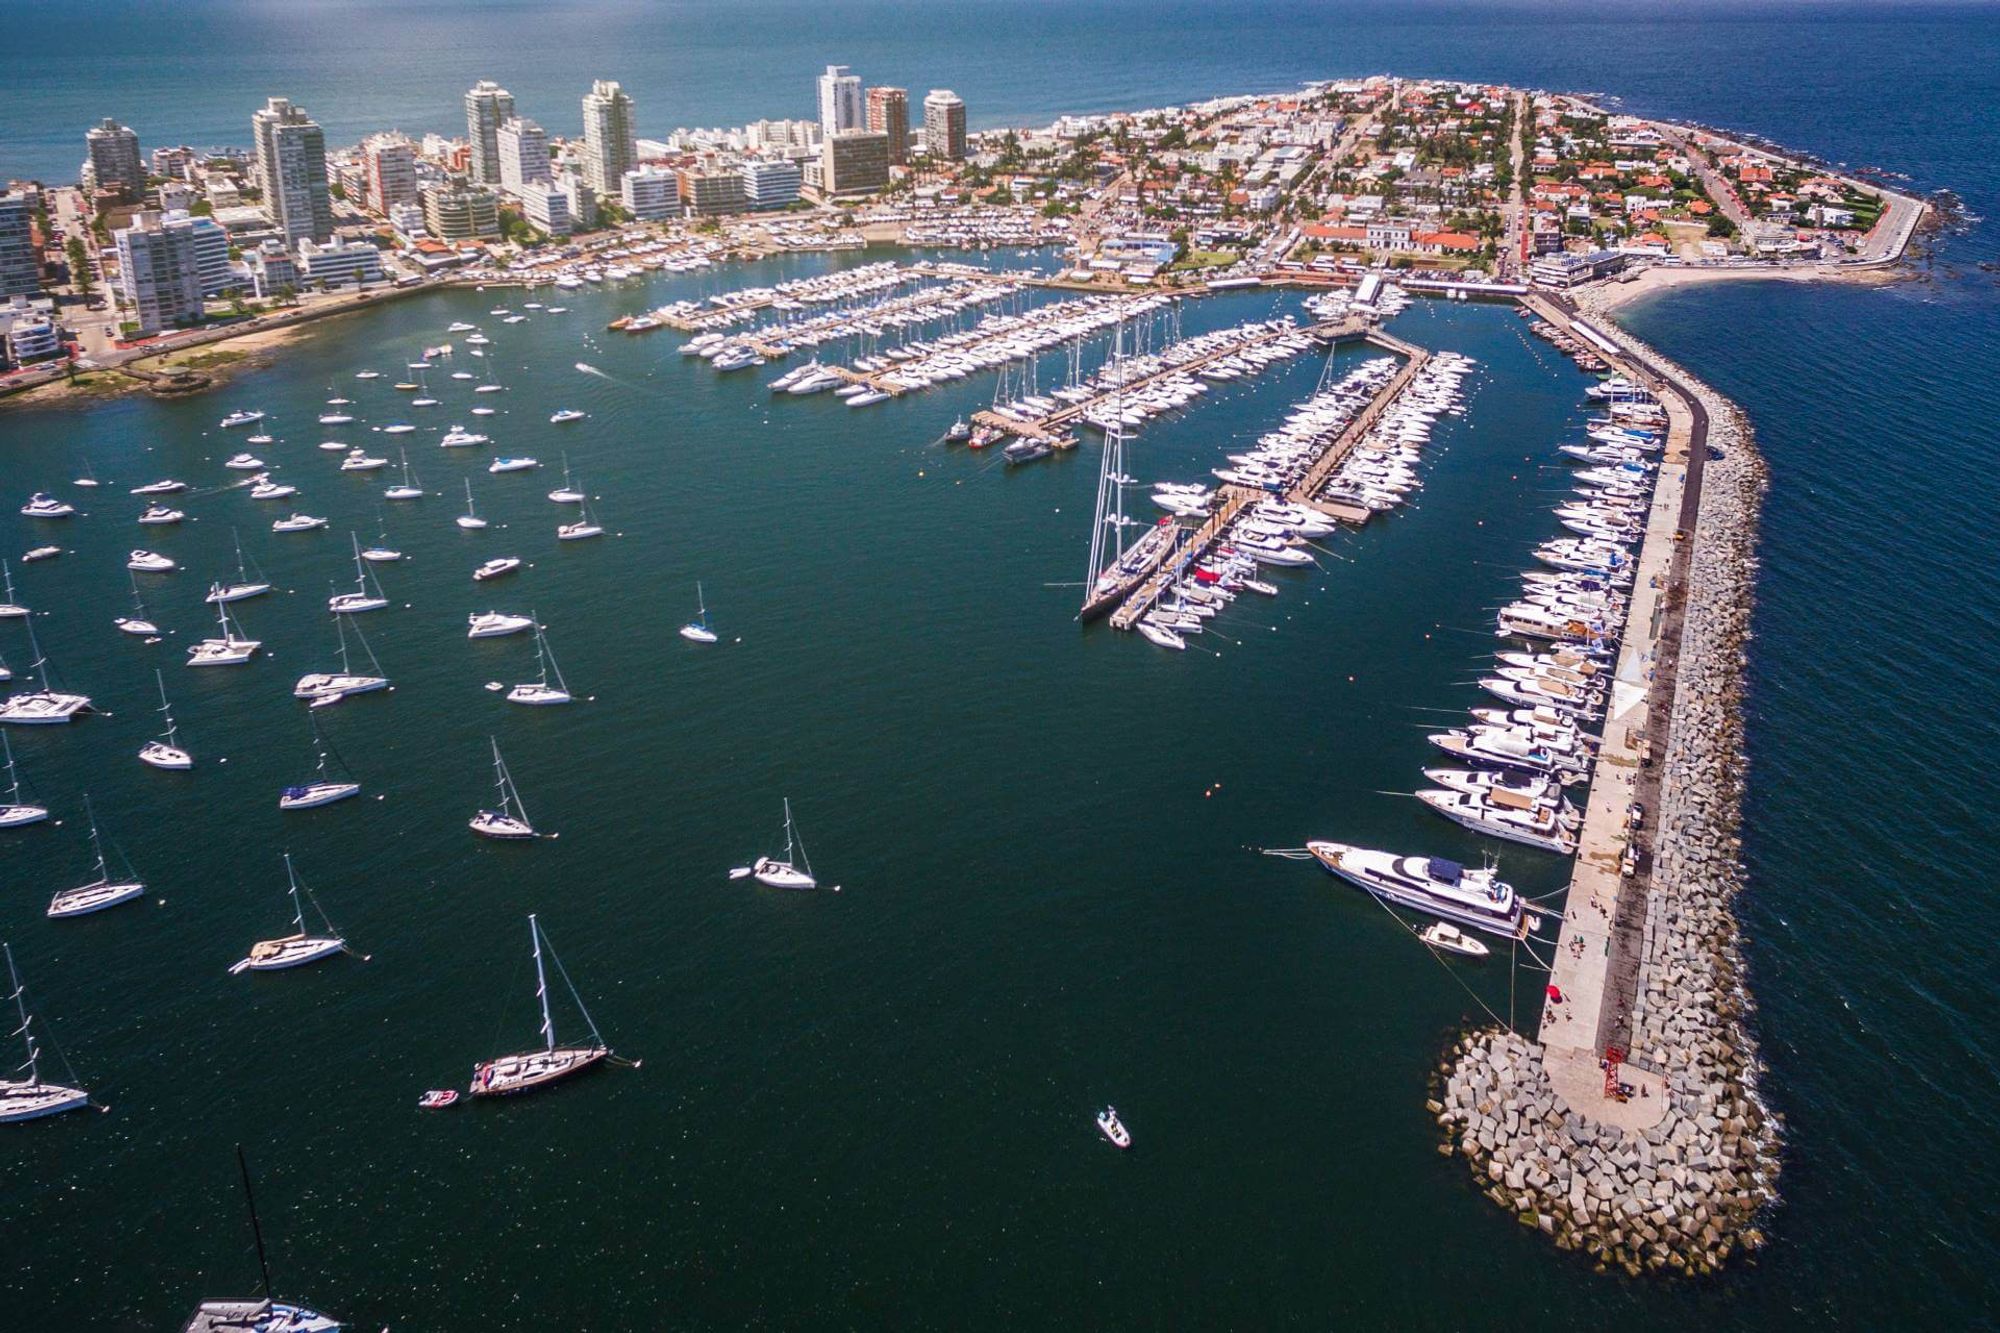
column 1607, row 298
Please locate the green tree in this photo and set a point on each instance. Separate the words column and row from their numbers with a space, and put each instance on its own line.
column 79, row 266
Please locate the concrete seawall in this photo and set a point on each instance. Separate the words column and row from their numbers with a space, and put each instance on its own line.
column 1674, row 1176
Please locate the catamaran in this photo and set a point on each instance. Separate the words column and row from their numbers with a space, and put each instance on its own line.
column 322, row 790
column 46, row 705
column 298, row 948
column 541, row 691
column 697, row 630
column 792, row 871
column 470, row 519
column 528, row 1070
column 361, row 599
column 230, row 649
column 510, row 821
column 101, row 892
column 330, row 687
column 30, row 1098
column 245, row 586
column 166, row 752
column 262, row 1315
column 15, row 812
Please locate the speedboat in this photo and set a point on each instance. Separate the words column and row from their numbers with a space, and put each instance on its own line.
column 566, row 414
column 240, row 419
column 43, row 505
column 1477, row 899
column 272, row 490
column 161, row 515
column 1441, row 935
column 437, row 1099
column 150, row 562
column 1109, row 1125
column 493, row 569
column 495, row 624
column 298, row 523
column 244, row 462
column 522, row 464
column 41, row 553
column 167, row 487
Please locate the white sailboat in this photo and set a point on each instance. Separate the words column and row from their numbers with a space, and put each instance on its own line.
column 525, row 1071
column 101, row 892
column 406, row 489
column 585, row 525
column 166, row 752
column 361, row 599
column 137, row 623
column 510, row 821
column 470, row 519
column 30, row 1098
column 330, row 687
column 245, row 586
column 44, row 706
column 381, row 553
column 263, row 1315
column 567, row 493
column 229, row 650
column 697, row 630
column 298, row 948
column 323, row 789
column 15, row 812
column 9, row 608
column 541, row 691
column 791, row 871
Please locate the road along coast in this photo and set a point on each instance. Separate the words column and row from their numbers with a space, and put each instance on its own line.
column 1632, row 1129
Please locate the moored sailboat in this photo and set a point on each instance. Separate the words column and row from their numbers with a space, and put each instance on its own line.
column 510, row 821
column 525, row 1071
column 298, row 948
column 166, row 752
column 102, row 891
column 31, row 1098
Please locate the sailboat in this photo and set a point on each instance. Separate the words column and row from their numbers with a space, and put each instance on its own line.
column 14, row 812
column 322, row 790
column 793, row 871
column 567, row 493
column 89, row 478
column 262, row 1315
column 230, row 649
column 136, row 623
column 697, row 630
column 30, row 1098
column 361, row 599
column 381, row 553
column 541, row 692
column 46, row 705
column 511, row 819
column 245, row 586
column 528, row 1070
column 470, row 519
column 298, row 948
column 585, row 525
column 330, row 687
column 164, row 752
column 407, row 488
column 101, row 892
column 9, row 608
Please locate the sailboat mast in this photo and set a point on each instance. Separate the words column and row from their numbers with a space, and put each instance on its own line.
column 542, row 985
column 256, row 1227
column 96, row 843
column 298, row 909
column 13, row 777
column 21, row 1008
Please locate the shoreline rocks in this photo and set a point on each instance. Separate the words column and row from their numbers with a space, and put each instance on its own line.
column 1685, row 1195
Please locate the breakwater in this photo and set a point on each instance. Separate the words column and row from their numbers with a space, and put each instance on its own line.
column 1663, row 1157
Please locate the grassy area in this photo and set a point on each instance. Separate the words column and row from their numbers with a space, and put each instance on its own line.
column 208, row 360
column 1206, row 259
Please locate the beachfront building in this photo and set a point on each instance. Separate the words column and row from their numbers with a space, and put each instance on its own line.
column 650, row 194
column 460, row 212
column 159, row 276
column 783, row 136
column 273, row 271
column 488, row 106
column 709, row 193
column 20, row 271
column 770, row 182
column 174, row 163
column 854, row 162
column 291, row 170
column 944, row 125
column 28, row 331
column 113, row 161
column 840, row 105
column 407, row 220
column 582, row 201
column 389, row 171
column 524, row 155
column 889, row 113
column 545, row 206
column 609, row 145
column 339, row 263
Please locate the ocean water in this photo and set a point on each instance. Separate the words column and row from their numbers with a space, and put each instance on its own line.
column 872, row 1108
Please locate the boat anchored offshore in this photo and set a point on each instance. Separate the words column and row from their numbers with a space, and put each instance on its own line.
column 495, row 625
column 47, row 705
column 230, row 649
column 362, row 598
column 15, row 812
column 1112, row 1128
column 470, row 519
column 166, row 752
column 494, row 568
column 792, row 871
column 244, row 587
column 330, row 687
column 323, row 789
column 1429, row 884
column 138, row 623
column 11, row 609
column 540, row 691
column 697, row 630
column 525, row 1071
column 101, row 892
column 298, row 948
column 263, row 1315
column 510, row 821
column 30, row 1098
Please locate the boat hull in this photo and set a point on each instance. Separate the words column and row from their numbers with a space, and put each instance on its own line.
column 511, row 1075
column 31, row 1101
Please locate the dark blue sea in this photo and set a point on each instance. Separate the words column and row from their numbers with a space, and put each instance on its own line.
column 872, row 1109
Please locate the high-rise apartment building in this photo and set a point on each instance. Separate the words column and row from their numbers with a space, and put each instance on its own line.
column 114, row 158
column 770, row 182
column 159, row 274
column 20, row 271
column 840, row 101
column 488, row 106
column 456, row 212
column 291, row 170
column 889, row 113
column 650, row 194
column 524, row 155
column 389, row 171
column 854, row 162
column 609, row 145
column 944, row 125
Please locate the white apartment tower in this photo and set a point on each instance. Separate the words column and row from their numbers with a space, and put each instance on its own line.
column 488, row 106
column 524, row 155
column 944, row 125
column 610, row 148
column 291, row 170
column 114, row 158
column 840, row 105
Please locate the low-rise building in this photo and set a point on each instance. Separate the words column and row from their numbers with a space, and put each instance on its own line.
column 771, row 183
column 650, row 194
column 546, row 207
column 456, row 212
column 709, row 193
column 273, row 272
column 338, row 263
column 28, row 331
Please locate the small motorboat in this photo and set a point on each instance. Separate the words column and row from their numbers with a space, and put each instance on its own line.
column 493, row 569
column 42, row 553
column 240, row 419
column 43, row 505
column 244, row 462
column 1112, row 1128
column 1443, row 935
column 272, row 490
column 150, row 562
column 522, row 464
column 161, row 515
column 360, row 460
column 298, row 523
column 495, row 624
column 437, row 1099
column 167, row 487
column 566, row 414
column 258, row 439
